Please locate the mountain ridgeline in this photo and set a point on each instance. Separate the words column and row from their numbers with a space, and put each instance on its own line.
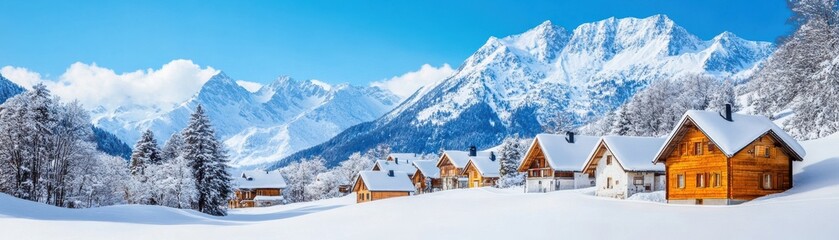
column 545, row 78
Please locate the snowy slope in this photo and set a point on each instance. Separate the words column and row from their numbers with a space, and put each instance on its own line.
column 8, row 89
column 257, row 127
column 520, row 83
column 804, row 212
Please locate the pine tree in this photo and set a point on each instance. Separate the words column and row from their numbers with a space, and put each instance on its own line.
column 145, row 152
column 512, row 151
column 172, row 148
column 208, row 161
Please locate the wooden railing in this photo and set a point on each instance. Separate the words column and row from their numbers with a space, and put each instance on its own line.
column 540, row 172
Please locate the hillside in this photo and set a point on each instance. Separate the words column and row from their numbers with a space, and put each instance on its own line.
column 804, row 212
column 518, row 84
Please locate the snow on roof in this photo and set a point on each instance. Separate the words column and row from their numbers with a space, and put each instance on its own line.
column 633, row 153
column 405, row 156
column 405, row 167
column 268, row 198
column 428, row 168
column 460, row 158
column 380, row 181
column 562, row 155
column 486, row 166
column 259, row 179
column 732, row 136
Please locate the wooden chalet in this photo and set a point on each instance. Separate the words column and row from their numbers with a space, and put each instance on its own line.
column 553, row 162
column 396, row 165
column 482, row 171
column 622, row 167
column 451, row 165
column 728, row 158
column 257, row 188
column 377, row 185
column 427, row 176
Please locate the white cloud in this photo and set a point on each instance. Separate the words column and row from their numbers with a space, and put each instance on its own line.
column 408, row 83
column 250, row 86
column 93, row 86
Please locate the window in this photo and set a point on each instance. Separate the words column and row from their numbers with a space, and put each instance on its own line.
column 766, row 152
column 609, row 183
column 700, row 180
column 609, row 160
column 681, row 180
column 683, row 148
column 711, row 147
column 638, row 180
column 766, row 181
column 762, row 151
column 715, row 180
column 697, row 148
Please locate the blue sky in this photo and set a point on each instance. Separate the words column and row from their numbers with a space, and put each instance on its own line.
column 334, row 41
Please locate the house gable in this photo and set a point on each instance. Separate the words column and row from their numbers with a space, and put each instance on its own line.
column 535, row 158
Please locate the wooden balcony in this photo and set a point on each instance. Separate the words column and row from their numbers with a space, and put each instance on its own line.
column 540, row 173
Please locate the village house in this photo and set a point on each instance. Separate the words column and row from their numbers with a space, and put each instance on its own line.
column 406, row 157
column 377, row 185
column 621, row 166
column 427, row 176
column 451, row 165
column 395, row 165
column 482, row 171
column 553, row 162
column 257, row 188
column 728, row 158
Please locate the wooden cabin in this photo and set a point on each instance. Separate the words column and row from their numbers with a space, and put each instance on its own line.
column 396, row 165
column 729, row 158
column 427, row 176
column 377, row 185
column 482, row 171
column 257, row 188
column 451, row 166
column 553, row 162
column 622, row 167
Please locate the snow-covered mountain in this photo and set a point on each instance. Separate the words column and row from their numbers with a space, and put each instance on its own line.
column 257, row 127
column 8, row 89
column 520, row 83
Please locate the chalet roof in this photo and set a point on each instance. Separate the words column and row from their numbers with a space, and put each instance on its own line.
column 632, row 153
column 486, row 166
column 380, row 181
column 460, row 158
column 405, row 167
column 732, row 136
column 259, row 179
column 410, row 157
column 428, row 168
column 562, row 155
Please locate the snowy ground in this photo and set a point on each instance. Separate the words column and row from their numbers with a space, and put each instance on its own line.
column 809, row 211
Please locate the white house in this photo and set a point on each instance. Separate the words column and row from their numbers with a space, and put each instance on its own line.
column 623, row 166
column 553, row 162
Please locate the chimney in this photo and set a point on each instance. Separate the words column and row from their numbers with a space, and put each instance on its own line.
column 492, row 156
column 473, row 151
column 569, row 136
column 390, row 173
column 396, row 160
column 244, row 176
column 727, row 115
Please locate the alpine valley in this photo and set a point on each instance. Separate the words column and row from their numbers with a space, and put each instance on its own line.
column 521, row 83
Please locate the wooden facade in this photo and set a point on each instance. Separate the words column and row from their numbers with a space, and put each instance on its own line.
column 244, row 198
column 421, row 182
column 364, row 194
column 476, row 178
column 450, row 175
column 700, row 173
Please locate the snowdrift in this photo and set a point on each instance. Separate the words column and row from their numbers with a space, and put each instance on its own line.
column 805, row 212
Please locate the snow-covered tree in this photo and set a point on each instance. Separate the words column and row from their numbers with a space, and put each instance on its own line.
column 802, row 75
column 512, row 151
column 146, row 152
column 173, row 147
column 347, row 170
column 208, row 161
column 174, row 183
column 300, row 174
